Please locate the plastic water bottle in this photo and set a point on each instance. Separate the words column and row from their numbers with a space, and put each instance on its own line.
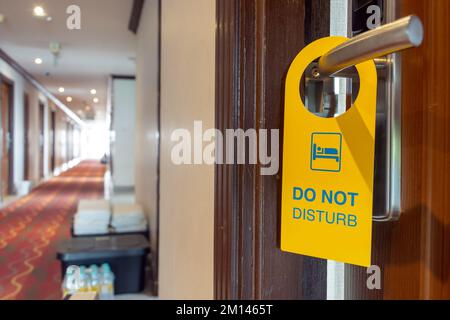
column 94, row 278
column 84, row 280
column 107, row 283
column 71, row 282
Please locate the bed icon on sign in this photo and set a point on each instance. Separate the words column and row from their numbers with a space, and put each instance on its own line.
column 326, row 151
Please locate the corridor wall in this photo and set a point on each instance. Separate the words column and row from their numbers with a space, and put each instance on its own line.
column 22, row 87
column 123, row 113
column 187, row 94
column 147, row 136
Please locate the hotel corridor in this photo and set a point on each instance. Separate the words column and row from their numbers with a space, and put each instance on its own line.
column 32, row 227
column 232, row 150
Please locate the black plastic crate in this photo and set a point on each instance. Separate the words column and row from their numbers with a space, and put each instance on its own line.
column 127, row 256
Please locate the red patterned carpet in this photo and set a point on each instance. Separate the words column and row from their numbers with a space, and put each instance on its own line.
column 32, row 227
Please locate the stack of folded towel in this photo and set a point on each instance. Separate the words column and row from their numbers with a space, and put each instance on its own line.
column 92, row 217
column 128, row 218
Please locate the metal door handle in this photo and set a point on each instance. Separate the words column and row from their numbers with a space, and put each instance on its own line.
column 393, row 37
column 390, row 38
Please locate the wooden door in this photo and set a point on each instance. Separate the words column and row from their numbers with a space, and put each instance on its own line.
column 41, row 138
column 7, row 95
column 68, row 142
column 414, row 253
column 256, row 42
column 26, row 133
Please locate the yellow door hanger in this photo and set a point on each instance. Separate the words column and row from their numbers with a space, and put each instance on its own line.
column 328, row 169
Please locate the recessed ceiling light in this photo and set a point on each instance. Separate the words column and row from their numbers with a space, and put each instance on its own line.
column 38, row 11
column 61, row 89
column 93, row 91
column 96, row 100
column 88, row 108
column 69, row 99
column 38, row 61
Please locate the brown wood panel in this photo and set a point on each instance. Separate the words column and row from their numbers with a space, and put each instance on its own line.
column 5, row 129
column 414, row 253
column 317, row 19
column 41, row 113
column 135, row 17
column 7, row 110
column 256, row 42
column 26, row 133
column 226, row 34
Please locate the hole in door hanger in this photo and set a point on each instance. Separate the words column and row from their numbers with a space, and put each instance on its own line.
column 329, row 97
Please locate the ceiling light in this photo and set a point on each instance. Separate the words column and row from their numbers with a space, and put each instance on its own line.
column 61, row 89
column 69, row 99
column 88, row 108
column 93, row 91
column 96, row 100
column 38, row 61
column 38, row 11
column 2, row 18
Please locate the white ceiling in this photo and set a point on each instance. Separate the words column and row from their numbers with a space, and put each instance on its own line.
column 102, row 47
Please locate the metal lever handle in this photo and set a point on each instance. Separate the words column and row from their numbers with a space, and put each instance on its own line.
column 396, row 36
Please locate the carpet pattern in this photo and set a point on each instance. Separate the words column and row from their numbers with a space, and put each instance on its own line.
column 32, row 227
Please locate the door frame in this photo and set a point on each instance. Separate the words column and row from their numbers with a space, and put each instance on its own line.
column 10, row 83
